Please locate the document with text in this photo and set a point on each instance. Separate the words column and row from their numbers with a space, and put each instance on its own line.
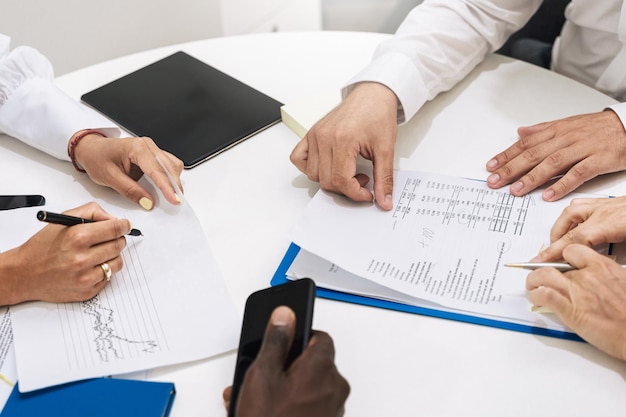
column 444, row 246
column 169, row 304
column 8, row 369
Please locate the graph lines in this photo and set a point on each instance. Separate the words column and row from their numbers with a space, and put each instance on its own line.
column 120, row 323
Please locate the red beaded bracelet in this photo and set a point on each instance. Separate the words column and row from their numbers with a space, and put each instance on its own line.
column 74, row 142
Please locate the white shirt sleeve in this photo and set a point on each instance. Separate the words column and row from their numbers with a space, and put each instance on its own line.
column 34, row 110
column 438, row 44
column 620, row 110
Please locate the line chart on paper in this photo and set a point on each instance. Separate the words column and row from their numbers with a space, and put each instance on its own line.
column 119, row 323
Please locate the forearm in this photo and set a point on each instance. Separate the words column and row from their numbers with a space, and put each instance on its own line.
column 42, row 116
column 35, row 111
column 11, row 280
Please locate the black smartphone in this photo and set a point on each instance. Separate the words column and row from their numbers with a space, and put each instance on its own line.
column 299, row 295
column 8, row 202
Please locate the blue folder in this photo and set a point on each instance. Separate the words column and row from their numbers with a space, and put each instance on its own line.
column 99, row 397
column 280, row 277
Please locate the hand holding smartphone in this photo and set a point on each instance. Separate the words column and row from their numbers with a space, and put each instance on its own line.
column 298, row 295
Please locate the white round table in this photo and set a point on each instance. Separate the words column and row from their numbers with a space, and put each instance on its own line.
column 247, row 198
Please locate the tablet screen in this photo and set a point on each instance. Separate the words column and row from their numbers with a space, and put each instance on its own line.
column 187, row 107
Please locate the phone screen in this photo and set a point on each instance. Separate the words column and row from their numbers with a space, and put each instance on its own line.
column 298, row 295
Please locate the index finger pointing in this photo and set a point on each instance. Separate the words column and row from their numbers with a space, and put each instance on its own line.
column 156, row 169
column 383, row 179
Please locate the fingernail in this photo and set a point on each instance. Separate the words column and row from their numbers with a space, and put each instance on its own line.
column 178, row 198
column 493, row 178
column 145, row 203
column 492, row 163
column 282, row 316
column 540, row 309
column 548, row 194
column 517, row 187
column 388, row 200
column 535, row 259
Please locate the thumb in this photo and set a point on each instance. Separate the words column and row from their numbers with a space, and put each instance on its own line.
column 580, row 256
column 278, row 338
column 130, row 189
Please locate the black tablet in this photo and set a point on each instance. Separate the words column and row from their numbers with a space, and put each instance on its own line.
column 187, row 107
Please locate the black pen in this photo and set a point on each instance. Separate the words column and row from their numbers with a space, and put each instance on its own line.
column 65, row 220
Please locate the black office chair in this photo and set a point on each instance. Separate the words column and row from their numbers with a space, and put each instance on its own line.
column 533, row 43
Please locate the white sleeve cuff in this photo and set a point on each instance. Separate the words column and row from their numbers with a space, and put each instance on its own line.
column 42, row 116
column 620, row 110
column 397, row 72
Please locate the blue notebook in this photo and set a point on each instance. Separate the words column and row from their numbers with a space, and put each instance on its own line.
column 280, row 277
column 100, row 397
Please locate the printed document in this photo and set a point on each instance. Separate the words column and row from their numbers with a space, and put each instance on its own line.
column 444, row 245
column 169, row 304
column 8, row 371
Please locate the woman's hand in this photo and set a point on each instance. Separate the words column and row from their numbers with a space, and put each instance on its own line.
column 63, row 264
column 119, row 163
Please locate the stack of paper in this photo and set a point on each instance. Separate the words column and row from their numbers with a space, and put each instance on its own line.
column 168, row 305
column 442, row 248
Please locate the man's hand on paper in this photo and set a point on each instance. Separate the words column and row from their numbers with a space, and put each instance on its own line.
column 311, row 387
column 365, row 124
column 580, row 147
column 589, row 221
column 591, row 300
column 119, row 163
column 61, row 263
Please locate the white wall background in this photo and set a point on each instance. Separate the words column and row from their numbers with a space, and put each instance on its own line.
column 365, row 15
column 249, row 16
column 77, row 33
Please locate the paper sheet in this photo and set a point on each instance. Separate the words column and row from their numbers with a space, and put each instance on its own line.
column 330, row 276
column 168, row 305
column 445, row 242
column 8, row 370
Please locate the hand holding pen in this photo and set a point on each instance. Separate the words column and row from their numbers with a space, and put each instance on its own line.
column 66, row 220
column 588, row 221
column 590, row 299
column 559, row 266
column 63, row 264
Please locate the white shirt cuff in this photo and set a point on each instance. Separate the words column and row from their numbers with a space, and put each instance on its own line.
column 44, row 117
column 405, row 81
column 620, row 110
